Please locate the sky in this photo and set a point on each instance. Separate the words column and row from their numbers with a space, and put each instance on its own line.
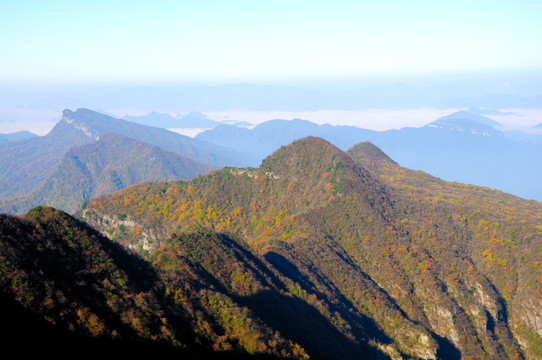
column 56, row 51
column 155, row 42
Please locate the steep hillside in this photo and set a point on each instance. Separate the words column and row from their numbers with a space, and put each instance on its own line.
column 428, row 268
column 103, row 167
column 480, row 240
column 67, row 291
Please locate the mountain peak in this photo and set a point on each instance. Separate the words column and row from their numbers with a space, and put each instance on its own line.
column 83, row 114
column 464, row 121
column 307, row 150
column 85, row 120
column 469, row 116
column 313, row 162
column 370, row 155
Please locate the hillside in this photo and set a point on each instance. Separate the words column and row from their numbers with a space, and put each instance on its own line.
column 471, row 232
column 426, row 267
column 112, row 163
column 67, row 291
column 26, row 164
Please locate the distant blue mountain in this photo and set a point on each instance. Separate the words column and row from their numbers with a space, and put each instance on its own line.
column 26, row 164
column 265, row 138
column 197, row 120
column 154, row 119
column 466, row 117
column 462, row 147
column 15, row 136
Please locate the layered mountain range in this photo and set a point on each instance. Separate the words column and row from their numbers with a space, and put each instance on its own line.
column 79, row 158
column 26, row 164
column 462, row 147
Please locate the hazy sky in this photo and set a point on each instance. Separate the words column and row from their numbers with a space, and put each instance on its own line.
column 149, row 42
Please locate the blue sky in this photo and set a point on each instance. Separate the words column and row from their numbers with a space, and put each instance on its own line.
column 144, row 42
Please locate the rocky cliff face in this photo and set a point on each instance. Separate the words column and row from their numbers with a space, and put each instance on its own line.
column 115, row 227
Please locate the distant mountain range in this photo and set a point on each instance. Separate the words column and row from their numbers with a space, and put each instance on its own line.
column 26, row 164
column 461, row 147
column 189, row 121
column 94, row 124
column 103, row 167
column 192, row 120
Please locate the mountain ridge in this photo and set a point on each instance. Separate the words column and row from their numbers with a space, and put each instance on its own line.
column 190, row 120
column 94, row 124
column 26, row 164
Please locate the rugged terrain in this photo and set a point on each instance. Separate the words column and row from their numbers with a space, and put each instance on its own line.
column 317, row 253
column 404, row 262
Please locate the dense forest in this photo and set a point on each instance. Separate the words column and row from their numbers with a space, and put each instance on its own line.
column 317, row 253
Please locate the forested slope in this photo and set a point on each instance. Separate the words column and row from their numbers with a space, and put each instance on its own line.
column 68, row 292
